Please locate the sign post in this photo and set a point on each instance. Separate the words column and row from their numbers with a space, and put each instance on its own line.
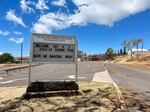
column 76, row 77
column 47, row 48
column 29, row 81
column 30, row 61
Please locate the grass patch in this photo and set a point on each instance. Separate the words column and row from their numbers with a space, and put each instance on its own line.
column 94, row 86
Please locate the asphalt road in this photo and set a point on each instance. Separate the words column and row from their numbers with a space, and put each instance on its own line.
column 130, row 78
column 86, row 71
column 126, row 77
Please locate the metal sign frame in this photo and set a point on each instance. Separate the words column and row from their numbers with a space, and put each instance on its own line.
column 75, row 62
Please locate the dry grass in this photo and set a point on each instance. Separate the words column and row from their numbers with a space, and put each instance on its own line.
column 97, row 97
column 139, row 61
column 10, row 65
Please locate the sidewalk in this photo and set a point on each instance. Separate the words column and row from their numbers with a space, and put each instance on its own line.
column 102, row 77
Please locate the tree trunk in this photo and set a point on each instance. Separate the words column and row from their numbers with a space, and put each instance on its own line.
column 131, row 54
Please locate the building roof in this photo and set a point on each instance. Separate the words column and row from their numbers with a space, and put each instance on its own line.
column 137, row 50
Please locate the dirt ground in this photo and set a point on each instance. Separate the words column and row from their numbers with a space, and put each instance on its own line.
column 141, row 61
column 138, row 65
column 136, row 102
column 9, row 93
column 97, row 97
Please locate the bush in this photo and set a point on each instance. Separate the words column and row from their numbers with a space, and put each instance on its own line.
column 17, row 61
column 52, row 86
column 6, row 58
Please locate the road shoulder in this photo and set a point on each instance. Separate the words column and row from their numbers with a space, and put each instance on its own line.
column 105, row 77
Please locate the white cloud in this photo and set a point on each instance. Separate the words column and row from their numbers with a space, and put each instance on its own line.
column 1, row 53
column 4, row 33
column 16, row 40
column 100, row 12
column 24, row 4
column 49, row 22
column 105, row 12
column 41, row 5
column 58, row 3
column 17, row 33
column 10, row 16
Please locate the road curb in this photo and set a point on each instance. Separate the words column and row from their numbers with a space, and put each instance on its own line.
column 120, row 97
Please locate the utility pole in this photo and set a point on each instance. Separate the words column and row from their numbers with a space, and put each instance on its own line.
column 21, row 51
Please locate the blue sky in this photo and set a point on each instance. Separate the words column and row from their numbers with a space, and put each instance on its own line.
column 98, row 24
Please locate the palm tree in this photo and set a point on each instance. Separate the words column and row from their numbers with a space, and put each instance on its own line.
column 136, row 42
column 141, row 41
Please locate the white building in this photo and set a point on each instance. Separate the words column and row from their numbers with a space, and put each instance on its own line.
column 138, row 51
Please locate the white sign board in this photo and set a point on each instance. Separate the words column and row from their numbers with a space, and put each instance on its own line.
column 53, row 48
